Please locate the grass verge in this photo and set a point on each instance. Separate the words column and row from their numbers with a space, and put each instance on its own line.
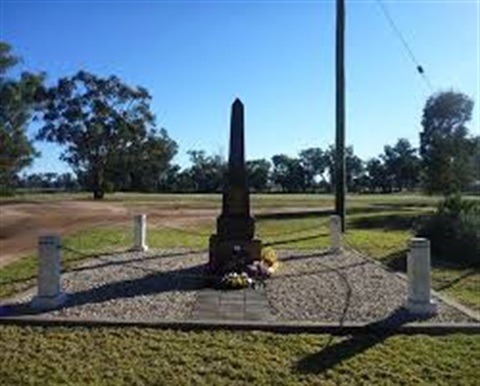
column 144, row 356
column 105, row 356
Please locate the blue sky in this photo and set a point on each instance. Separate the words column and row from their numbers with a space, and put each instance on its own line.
column 195, row 57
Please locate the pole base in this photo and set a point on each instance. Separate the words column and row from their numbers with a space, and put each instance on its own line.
column 422, row 308
column 335, row 250
column 141, row 248
column 48, row 302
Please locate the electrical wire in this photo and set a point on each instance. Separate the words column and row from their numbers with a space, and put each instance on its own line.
column 405, row 44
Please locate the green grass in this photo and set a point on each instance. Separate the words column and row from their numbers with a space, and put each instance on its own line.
column 378, row 226
column 105, row 356
column 462, row 284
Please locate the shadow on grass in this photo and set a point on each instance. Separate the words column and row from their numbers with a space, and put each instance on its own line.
column 399, row 221
column 334, row 354
column 458, row 279
column 294, row 240
column 294, row 215
column 396, row 261
column 288, row 215
column 404, row 205
column 134, row 260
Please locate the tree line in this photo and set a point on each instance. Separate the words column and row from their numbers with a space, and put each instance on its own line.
column 112, row 143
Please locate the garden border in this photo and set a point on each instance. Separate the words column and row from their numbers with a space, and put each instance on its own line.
column 277, row 327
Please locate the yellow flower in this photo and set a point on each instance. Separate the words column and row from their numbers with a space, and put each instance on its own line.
column 269, row 256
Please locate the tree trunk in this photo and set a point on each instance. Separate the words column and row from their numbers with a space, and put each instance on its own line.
column 98, row 184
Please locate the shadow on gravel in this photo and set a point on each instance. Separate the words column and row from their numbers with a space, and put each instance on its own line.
column 333, row 354
column 188, row 279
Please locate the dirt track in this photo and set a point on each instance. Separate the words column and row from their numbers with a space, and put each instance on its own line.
column 22, row 223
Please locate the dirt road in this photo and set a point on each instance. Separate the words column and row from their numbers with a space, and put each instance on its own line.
column 22, row 223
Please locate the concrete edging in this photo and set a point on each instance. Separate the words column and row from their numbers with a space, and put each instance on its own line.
column 277, row 327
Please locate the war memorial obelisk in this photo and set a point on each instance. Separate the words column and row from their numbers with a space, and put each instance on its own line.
column 233, row 246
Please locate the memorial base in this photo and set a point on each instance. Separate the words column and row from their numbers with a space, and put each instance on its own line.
column 232, row 255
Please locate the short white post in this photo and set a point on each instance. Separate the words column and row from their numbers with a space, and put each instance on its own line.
column 49, row 294
column 140, row 233
column 335, row 233
column 418, row 269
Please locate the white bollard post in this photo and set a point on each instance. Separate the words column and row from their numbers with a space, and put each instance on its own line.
column 140, row 233
column 49, row 294
column 335, row 233
column 418, row 270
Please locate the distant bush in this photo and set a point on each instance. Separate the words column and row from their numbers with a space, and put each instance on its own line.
column 454, row 230
column 6, row 191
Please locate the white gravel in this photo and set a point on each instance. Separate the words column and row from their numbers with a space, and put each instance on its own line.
column 134, row 286
column 316, row 287
column 308, row 286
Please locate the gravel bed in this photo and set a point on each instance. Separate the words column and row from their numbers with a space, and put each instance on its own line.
column 133, row 286
column 308, row 286
column 315, row 287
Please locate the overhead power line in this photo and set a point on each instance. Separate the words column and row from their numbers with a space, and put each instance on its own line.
column 405, row 44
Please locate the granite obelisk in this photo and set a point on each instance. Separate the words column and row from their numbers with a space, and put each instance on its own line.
column 233, row 246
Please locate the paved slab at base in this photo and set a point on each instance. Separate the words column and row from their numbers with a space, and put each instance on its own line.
column 244, row 304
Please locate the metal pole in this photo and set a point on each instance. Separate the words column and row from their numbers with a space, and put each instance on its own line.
column 340, row 172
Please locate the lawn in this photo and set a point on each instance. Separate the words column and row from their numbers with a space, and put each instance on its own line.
column 378, row 226
column 105, row 356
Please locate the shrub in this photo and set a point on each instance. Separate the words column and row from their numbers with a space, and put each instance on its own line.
column 454, row 231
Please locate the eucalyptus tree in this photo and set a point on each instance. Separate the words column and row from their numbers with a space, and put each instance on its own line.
column 18, row 101
column 102, row 124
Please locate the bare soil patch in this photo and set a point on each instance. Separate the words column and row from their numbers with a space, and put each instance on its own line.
column 22, row 222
